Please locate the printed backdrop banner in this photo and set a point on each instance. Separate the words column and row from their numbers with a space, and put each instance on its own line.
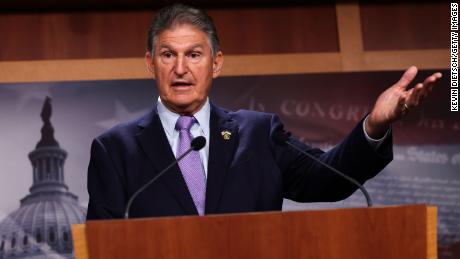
column 319, row 109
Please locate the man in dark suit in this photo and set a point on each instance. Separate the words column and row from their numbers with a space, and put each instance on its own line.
column 241, row 168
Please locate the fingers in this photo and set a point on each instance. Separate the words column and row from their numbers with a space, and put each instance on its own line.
column 421, row 90
column 395, row 102
column 414, row 95
column 428, row 84
column 429, row 81
column 407, row 77
column 402, row 110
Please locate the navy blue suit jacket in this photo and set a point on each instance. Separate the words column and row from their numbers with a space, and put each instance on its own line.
column 249, row 172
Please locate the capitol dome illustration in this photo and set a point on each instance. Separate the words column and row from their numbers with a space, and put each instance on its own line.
column 41, row 227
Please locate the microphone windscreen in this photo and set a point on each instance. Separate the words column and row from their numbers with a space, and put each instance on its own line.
column 198, row 143
column 280, row 137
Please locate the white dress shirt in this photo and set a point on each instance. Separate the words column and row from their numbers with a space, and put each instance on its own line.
column 375, row 143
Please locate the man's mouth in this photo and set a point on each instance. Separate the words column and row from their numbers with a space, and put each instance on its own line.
column 181, row 84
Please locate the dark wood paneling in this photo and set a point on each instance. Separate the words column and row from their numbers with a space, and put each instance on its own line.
column 73, row 35
column 403, row 26
column 48, row 5
column 280, row 30
column 81, row 35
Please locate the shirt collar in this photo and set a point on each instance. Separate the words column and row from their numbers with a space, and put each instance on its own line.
column 169, row 118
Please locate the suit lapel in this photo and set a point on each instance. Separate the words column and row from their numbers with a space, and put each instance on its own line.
column 153, row 140
column 221, row 151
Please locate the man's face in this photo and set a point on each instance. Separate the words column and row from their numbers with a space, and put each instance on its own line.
column 183, row 66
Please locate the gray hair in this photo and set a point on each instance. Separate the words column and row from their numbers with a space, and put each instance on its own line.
column 178, row 14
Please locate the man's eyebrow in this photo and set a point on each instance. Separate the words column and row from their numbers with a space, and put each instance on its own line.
column 199, row 45
column 166, row 46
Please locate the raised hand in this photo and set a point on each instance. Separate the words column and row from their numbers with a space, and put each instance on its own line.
column 397, row 101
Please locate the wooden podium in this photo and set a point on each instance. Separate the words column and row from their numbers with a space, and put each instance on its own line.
column 381, row 232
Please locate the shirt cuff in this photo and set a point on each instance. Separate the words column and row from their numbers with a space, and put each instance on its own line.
column 375, row 143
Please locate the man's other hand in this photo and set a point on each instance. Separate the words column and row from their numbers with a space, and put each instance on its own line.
column 397, row 101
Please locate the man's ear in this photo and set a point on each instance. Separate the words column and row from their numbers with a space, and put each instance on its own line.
column 217, row 64
column 149, row 62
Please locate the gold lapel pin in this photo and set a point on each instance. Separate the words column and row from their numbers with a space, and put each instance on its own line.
column 226, row 134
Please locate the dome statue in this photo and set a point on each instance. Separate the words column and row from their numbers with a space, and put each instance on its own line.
column 41, row 227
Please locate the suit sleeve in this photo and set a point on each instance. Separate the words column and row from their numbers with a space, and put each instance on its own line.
column 105, row 185
column 307, row 181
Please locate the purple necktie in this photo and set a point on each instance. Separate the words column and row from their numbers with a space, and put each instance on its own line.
column 190, row 165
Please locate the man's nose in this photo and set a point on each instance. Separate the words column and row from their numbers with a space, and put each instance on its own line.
column 181, row 65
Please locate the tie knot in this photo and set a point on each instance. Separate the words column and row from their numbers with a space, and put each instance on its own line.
column 185, row 123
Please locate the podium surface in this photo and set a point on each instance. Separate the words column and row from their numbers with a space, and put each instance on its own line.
column 381, row 232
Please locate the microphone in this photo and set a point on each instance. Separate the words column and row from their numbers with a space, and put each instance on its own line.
column 196, row 144
column 283, row 139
